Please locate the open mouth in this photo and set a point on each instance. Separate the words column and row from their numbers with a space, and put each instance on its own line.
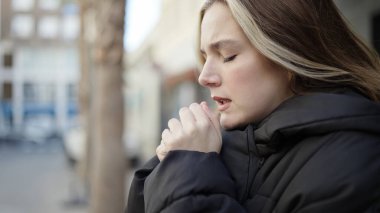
column 223, row 103
column 221, row 100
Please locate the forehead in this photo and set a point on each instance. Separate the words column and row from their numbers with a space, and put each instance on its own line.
column 219, row 24
column 216, row 12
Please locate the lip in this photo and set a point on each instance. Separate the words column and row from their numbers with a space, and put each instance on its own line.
column 222, row 103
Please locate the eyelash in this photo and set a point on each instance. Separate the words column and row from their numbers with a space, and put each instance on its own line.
column 225, row 60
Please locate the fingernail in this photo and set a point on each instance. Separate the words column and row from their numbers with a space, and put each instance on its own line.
column 204, row 106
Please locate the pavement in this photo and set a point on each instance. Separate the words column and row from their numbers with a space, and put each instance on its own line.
column 36, row 178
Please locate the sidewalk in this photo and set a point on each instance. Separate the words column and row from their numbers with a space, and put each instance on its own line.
column 37, row 179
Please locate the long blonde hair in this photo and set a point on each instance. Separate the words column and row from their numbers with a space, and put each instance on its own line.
column 310, row 39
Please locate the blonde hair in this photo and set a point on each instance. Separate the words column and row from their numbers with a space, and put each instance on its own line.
column 311, row 40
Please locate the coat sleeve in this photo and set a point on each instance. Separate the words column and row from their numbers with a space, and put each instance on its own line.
column 136, row 192
column 188, row 181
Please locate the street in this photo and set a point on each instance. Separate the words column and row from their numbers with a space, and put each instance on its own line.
column 35, row 178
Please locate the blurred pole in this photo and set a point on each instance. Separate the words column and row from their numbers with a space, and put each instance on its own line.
column 109, row 161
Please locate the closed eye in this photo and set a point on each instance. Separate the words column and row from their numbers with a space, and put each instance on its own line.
column 228, row 59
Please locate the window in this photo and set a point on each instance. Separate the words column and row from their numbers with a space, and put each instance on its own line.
column 7, row 91
column 49, row 4
column 8, row 60
column 29, row 92
column 72, row 92
column 70, row 27
column 22, row 26
column 38, row 93
column 48, row 27
column 22, row 5
column 47, row 93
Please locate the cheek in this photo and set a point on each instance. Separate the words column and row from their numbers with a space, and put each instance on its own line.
column 243, row 76
column 251, row 69
column 260, row 91
column 245, row 81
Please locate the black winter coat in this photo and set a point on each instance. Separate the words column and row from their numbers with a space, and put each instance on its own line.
column 314, row 153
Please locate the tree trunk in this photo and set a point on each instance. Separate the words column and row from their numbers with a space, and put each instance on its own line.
column 84, row 94
column 109, row 161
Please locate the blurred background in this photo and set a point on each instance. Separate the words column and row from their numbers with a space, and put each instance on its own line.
column 52, row 68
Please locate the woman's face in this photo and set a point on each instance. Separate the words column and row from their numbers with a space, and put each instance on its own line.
column 245, row 85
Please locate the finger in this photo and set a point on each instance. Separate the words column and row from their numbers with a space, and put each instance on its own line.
column 214, row 117
column 163, row 143
column 174, row 125
column 166, row 135
column 199, row 114
column 161, row 151
column 187, row 118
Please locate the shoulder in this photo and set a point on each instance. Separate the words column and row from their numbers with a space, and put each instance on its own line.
column 339, row 170
column 343, row 156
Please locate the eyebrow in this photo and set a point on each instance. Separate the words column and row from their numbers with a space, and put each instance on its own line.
column 221, row 44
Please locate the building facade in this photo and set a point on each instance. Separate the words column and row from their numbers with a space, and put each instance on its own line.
column 39, row 65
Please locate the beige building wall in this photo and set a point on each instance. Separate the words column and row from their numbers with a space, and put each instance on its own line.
column 168, row 50
column 142, row 108
column 175, row 35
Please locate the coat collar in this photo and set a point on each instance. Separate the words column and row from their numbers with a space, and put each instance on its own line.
column 313, row 114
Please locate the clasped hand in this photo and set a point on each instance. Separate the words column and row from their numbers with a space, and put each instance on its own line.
column 197, row 129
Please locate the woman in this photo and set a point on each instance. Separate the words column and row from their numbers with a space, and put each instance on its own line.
column 297, row 92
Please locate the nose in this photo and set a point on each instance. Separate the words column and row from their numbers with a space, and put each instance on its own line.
column 209, row 76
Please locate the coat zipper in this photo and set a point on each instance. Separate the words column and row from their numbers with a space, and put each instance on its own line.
column 251, row 176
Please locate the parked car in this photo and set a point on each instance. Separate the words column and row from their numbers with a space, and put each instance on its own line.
column 74, row 143
column 40, row 129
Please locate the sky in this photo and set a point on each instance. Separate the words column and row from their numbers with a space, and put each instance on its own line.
column 141, row 17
